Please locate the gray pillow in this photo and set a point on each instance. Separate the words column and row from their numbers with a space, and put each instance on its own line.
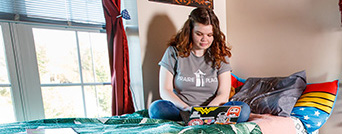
column 272, row 95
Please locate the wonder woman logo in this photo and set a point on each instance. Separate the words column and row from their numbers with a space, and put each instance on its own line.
column 205, row 110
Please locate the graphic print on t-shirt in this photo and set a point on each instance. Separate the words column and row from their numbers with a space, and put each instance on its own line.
column 199, row 78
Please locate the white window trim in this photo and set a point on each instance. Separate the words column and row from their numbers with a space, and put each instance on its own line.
column 16, row 93
column 26, row 62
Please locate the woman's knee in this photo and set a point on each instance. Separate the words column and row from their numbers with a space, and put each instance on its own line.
column 163, row 109
column 245, row 110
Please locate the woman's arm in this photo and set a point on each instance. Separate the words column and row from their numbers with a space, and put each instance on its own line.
column 223, row 91
column 166, row 89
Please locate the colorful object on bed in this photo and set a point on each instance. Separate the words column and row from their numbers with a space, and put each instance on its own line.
column 137, row 122
column 314, row 106
column 236, row 81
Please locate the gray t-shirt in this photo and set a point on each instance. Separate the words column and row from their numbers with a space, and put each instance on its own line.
column 195, row 80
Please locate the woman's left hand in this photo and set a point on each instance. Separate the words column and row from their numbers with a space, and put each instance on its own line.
column 188, row 108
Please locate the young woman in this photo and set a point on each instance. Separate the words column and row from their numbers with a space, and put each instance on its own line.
column 195, row 69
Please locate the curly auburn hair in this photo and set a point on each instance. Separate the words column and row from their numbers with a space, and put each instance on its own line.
column 183, row 39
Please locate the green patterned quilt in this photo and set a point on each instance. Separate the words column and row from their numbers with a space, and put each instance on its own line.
column 137, row 122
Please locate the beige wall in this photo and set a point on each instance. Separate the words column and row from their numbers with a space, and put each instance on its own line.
column 280, row 37
column 158, row 22
column 269, row 38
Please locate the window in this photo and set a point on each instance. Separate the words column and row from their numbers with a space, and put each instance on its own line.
column 63, row 72
column 54, row 60
column 69, row 89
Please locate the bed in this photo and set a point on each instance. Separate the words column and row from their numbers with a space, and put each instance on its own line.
column 310, row 110
column 137, row 122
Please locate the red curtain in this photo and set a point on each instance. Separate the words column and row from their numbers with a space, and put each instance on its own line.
column 341, row 10
column 118, row 58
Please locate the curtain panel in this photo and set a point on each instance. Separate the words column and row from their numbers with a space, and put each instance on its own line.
column 341, row 10
column 119, row 59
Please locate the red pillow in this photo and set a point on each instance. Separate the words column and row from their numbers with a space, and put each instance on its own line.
column 236, row 81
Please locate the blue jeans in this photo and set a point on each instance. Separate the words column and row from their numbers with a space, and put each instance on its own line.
column 163, row 109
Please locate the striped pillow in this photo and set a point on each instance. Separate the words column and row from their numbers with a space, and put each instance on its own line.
column 315, row 104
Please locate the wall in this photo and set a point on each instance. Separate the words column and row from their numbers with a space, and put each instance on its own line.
column 280, row 37
column 158, row 22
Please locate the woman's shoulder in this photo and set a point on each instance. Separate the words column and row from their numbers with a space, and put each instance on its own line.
column 227, row 58
column 172, row 50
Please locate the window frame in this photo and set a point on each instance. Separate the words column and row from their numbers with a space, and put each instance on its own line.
column 23, row 68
